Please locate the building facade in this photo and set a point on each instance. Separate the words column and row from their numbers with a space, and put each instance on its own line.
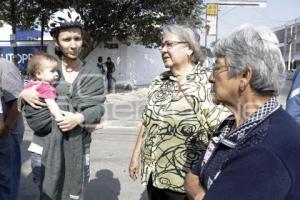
column 289, row 42
column 136, row 65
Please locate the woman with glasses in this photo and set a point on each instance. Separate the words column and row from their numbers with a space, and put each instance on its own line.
column 179, row 117
column 254, row 154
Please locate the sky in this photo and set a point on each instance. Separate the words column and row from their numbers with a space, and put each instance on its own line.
column 276, row 13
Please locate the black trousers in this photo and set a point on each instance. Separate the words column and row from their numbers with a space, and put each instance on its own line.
column 163, row 194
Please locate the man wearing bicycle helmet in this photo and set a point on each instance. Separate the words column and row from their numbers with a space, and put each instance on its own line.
column 60, row 149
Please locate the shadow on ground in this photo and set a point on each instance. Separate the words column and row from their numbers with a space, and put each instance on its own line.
column 28, row 191
column 107, row 186
column 144, row 195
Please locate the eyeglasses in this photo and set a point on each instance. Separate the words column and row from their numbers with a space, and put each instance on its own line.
column 171, row 44
column 217, row 69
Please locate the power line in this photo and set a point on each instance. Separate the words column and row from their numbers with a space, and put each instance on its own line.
column 228, row 11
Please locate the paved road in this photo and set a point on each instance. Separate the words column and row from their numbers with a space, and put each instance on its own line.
column 111, row 151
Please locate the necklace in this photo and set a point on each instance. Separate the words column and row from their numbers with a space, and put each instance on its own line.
column 72, row 67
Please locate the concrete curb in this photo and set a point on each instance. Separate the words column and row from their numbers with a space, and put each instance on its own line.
column 109, row 124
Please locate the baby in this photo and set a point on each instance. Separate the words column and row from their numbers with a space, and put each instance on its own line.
column 42, row 68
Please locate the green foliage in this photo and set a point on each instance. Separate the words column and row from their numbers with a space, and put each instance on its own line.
column 138, row 20
column 126, row 20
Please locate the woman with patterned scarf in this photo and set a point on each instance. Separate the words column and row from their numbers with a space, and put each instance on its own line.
column 179, row 117
column 255, row 153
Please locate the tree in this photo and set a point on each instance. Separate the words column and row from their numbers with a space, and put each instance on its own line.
column 22, row 14
column 126, row 20
column 137, row 20
column 9, row 9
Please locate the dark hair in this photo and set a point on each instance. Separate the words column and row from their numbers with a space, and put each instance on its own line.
column 58, row 52
column 58, row 30
column 100, row 59
column 35, row 63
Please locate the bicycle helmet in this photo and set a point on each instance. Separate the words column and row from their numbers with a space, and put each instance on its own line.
column 63, row 19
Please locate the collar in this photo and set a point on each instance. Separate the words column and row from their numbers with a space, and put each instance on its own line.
column 231, row 139
column 197, row 69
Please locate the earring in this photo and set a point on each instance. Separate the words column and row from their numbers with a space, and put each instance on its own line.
column 189, row 58
column 242, row 86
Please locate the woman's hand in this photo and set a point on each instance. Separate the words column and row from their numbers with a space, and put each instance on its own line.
column 199, row 196
column 134, row 168
column 134, row 163
column 193, row 187
column 31, row 96
column 69, row 120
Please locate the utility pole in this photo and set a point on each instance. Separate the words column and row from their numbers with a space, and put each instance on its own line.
column 14, row 31
column 213, row 10
column 42, row 30
column 206, row 31
column 211, row 20
column 290, row 42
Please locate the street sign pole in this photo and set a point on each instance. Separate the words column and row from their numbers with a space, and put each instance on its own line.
column 212, row 11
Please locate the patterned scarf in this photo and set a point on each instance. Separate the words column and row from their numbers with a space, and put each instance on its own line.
column 209, row 173
column 258, row 116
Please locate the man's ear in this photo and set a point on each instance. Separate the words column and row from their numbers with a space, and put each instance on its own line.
column 246, row 77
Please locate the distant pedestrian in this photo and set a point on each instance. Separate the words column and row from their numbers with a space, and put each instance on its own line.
column 293, row 99
column 101, row 66
column 12, row 132
column 110, row 70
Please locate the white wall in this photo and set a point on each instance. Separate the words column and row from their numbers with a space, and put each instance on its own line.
column 6, row 31
column 135, row 64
